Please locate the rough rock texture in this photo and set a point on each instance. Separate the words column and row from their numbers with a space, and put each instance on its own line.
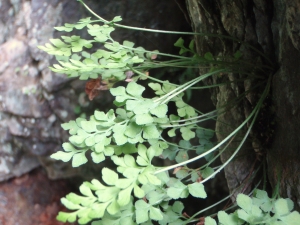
column 32, row 199
column 273, row 28
column 33, row 100
column 236, row 19
column 284, row 156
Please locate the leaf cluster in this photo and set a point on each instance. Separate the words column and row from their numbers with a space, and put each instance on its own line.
column 112, row 60
column 112, row 200
column 117, row 132
column 133, row 135
column 260, row 209
column 180, row 44
column 136, row 120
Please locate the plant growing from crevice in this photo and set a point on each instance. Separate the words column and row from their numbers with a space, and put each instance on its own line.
column 141, row 129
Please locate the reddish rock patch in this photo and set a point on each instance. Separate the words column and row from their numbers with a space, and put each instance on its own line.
column 32, row 199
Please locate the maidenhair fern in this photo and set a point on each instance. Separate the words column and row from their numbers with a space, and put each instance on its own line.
column 260, row 209
column 141, row 129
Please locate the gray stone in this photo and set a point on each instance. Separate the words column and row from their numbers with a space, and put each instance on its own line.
column 35, row 101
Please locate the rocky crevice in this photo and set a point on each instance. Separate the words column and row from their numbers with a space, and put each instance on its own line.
column 273, row 28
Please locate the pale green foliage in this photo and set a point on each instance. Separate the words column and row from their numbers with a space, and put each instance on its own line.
column 140, row 120
column 183, row 110
column 137, row 120
column 137, row 192
column 115, row 196
column 113, row 200
column 180, row 43
column 259, row 209
column 111, row 133
column 111, row 62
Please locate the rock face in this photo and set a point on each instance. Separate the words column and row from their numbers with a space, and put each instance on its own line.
column 34, row 199
column 284, row 156
column 33, row 100
column 273, row 28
